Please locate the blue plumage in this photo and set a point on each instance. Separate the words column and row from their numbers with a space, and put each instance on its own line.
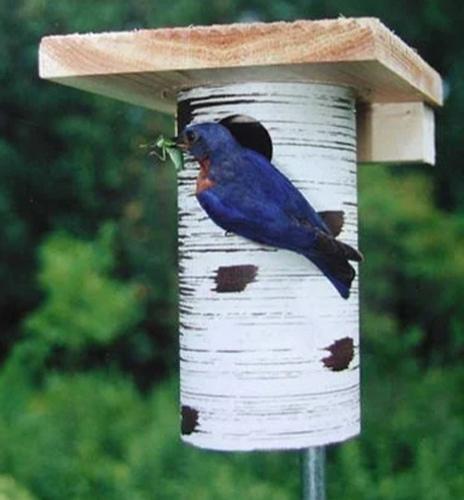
column 244, row 193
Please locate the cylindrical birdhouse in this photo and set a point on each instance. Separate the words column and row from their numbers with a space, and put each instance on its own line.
column 269, row 350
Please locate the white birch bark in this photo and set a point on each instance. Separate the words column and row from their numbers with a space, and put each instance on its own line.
column 256, row 369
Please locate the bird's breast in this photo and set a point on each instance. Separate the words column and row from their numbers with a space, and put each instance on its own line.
column 203, row 180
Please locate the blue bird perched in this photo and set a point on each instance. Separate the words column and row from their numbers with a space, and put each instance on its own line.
column 243, row 193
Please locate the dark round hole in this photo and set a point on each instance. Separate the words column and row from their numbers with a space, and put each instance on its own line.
column 250, row 133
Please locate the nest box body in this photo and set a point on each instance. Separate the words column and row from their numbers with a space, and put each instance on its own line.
column 269, row 352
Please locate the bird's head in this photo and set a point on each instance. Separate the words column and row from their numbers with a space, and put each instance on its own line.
column 204, row 139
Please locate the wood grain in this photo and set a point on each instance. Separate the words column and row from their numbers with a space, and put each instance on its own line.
column 361, row 53
column 396, row 133
column 149, row 67
column 269, row 351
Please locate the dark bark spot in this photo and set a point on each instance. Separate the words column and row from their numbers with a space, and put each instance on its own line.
column 334, row 219
column 341, row 354
column 189, row 419
column 234, row 278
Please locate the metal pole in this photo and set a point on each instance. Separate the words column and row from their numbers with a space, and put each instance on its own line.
column 312, row 473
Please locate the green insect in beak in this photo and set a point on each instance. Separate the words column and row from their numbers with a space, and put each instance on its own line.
column 165, row 148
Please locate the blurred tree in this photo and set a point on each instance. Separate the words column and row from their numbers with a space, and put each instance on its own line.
column 414, row 274
column 82, row 305
column 82, row 210
column 72, row 161
column 11, row 490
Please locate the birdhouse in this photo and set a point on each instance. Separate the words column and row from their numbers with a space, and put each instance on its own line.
column 269, row 350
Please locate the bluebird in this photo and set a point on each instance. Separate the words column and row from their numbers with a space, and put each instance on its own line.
column 243, row 193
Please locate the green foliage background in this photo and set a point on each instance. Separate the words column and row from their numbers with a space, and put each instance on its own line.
column 88, row 396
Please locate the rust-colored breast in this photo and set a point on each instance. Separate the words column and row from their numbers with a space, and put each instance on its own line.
column 203, row 181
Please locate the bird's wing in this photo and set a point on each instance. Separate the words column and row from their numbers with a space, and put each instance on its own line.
column 254, row 217
column 276, row 185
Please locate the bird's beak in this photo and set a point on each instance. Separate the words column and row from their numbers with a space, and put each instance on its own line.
column 181, row 142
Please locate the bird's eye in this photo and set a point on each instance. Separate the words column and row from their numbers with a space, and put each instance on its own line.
column 191, row 136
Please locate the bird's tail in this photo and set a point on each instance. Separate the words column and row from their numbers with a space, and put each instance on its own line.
column 337, row 269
